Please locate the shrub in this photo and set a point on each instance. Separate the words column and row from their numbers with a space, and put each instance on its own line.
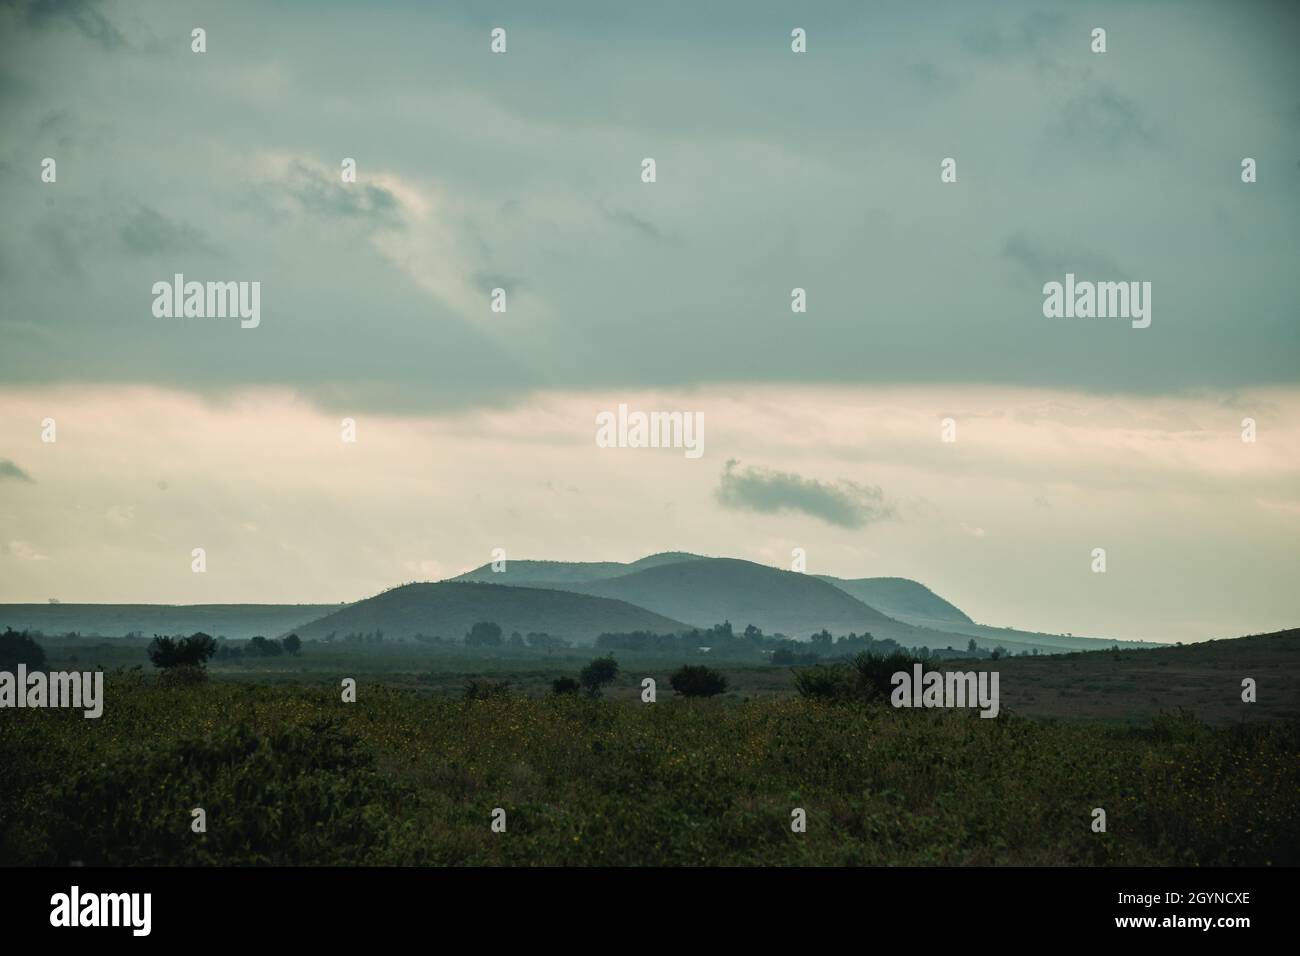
column 484, row 634
column 597, row 674
column 868, row 678
column 184, row 675
column 830, row 683
column 307, row 795
column 565, row 685
column 261, row 647
column 696, row 680
column 480, row 689
column 18, row 647
column 192, row 651
column 874, row 672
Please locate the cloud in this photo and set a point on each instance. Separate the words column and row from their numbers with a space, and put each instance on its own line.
column 318, row 191
column 1042, row 259
column 24, row 551
column 83, row 15
column 846, row 504
column 1104, row 117
column 630, row 220
column 1030, row 36
column 9, row 470
column 149, row 231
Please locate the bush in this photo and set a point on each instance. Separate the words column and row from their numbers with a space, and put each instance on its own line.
column 184, row 675
column 565, row 685
column 874, row 672
column 18, row 647
column 597, row 674
column 308, row 795
column 192, row 651
column 696, row 680
column 261, row 647
column 484, row 634
column 868, row 678
column 479, row 689
column 830, row 683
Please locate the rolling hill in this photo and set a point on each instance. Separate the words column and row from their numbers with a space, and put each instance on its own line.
column 448, row 609
column 557, row 573
column 706, row 591
column 901, row 598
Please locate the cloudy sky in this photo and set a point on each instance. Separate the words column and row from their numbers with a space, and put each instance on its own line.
column 775, row 170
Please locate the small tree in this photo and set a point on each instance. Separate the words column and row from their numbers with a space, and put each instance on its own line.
column 192, row 651
column 293, row 644
column 597, row 674
column 972, row 646
column 18, row 647
column 544, row 642
column 565, row 685
column 261, row 647
column 484, row 634
column 696, row 680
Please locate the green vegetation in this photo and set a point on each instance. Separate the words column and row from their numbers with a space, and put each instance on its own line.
column 192, row 651
column 594, row 677
column 292, row 775
column 19, row 647
column 696, row 680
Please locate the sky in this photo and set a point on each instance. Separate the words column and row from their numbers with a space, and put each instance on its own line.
column 774, row 171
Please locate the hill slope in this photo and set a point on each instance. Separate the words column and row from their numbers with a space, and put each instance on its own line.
column 562, row 573
column 448, row 609
column 900, row 598
column 708, row 591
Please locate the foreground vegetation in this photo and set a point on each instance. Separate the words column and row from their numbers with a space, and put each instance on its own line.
column 289, row 774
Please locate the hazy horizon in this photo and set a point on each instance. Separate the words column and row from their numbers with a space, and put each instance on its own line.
column 776, row 171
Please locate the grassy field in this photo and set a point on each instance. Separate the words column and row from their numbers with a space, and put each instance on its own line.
column 1129, row 686
column 286, row 772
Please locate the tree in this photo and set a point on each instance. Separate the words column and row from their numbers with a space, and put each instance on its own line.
column 999, row 651
column 484, row 634
column 18, row 647
column 261, row 647
column 565, row 685
column 167, row 653
column 696, row 680
column 544, row 642
column 293, row 644
column 597, row 674
column 972, row 646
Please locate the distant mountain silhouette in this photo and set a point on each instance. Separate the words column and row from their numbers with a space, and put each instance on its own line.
column 579, row 600
column 449, row 609
column 705, row 591
column 901, row 598
column 540, row 573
